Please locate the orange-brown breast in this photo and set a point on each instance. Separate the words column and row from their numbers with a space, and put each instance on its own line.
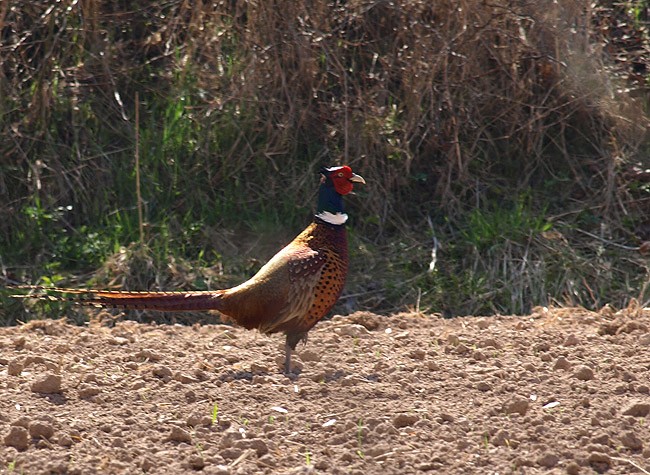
column 328, row 290
column 331, row 243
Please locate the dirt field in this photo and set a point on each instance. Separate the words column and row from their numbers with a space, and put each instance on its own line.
column 561, row 391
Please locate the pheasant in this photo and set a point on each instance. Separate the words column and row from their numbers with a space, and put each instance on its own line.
column 292, row 292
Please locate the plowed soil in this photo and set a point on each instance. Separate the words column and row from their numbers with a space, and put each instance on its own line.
column 559, row 391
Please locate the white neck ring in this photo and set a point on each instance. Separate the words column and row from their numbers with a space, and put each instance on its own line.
column 331, row 218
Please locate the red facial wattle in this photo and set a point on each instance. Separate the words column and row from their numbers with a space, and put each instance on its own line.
column 343, row 186
column 341, row 179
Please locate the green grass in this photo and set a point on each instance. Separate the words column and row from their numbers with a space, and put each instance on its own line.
column 215, row 414
column 503, row 222
column 360, row 438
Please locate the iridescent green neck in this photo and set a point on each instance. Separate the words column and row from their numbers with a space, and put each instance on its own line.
column 330, row 205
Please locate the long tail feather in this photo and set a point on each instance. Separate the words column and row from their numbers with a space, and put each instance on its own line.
column 161, row 301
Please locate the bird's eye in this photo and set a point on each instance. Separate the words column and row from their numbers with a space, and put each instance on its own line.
column 340, row 174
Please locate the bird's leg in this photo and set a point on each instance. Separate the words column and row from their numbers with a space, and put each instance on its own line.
column 289, row 346
column 287, row 358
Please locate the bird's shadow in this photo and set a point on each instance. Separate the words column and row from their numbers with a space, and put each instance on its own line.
column 232, row 375
column 58, row 399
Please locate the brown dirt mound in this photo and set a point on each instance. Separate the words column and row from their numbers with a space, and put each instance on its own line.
column 565, row 391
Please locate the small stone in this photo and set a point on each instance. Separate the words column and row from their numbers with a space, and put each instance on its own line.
column 608, row 328
column 523, row 461
column 19, row 343
column 433, row 366
column 317, row 377
column 631, row 326
column 221, row 470
column 256, row 444
column 572, row 468
column 461, row 349
column 15, row 367
column 148, row 355
column 517, row 405
column 562, row 363
column 22, row 421
column 50, row 384
column 269, row 461
column 637, row 409
column 179, row 435
column 41, row 430
column 548, row 460
column 118, row 340
column 571, row 340
column 385, row 428
column 483, row 386
column 162, row 372
column 196, row 462
column 599, row 461
column 184, row 378
column 417, row 354
column 62, row 348
column 602, row 439
column 453, row 339
column 194, row 420
column 584, row 373
column 645, row 340
column 229, row 437
column 65, row 440
column 353, row 330
column 542, row 347
column 404, row 420
column 349, row 380
column 86, row 391
column 310, row 356
column 632, row 441
column 628, row 377
column 17, row 438
column 147, row 464
column 501, row 439
column 489, row 343
column 231, row 453
column 446, row 417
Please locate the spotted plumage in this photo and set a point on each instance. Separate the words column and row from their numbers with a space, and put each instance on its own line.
column 292, row 292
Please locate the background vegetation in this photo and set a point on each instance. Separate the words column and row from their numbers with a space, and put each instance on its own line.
column 510, row 134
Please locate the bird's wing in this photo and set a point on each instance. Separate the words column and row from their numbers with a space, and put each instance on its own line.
column 282, row 290
column 305, row 269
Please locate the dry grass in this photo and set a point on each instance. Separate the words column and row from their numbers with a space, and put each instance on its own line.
column 447, row 108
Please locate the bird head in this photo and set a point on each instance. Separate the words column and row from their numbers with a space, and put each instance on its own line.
column 342, row 178
column 335, row 182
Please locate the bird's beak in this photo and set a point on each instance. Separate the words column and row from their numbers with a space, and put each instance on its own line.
column 357, row 179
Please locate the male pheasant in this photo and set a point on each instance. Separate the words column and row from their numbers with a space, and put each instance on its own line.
column 290, row 293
